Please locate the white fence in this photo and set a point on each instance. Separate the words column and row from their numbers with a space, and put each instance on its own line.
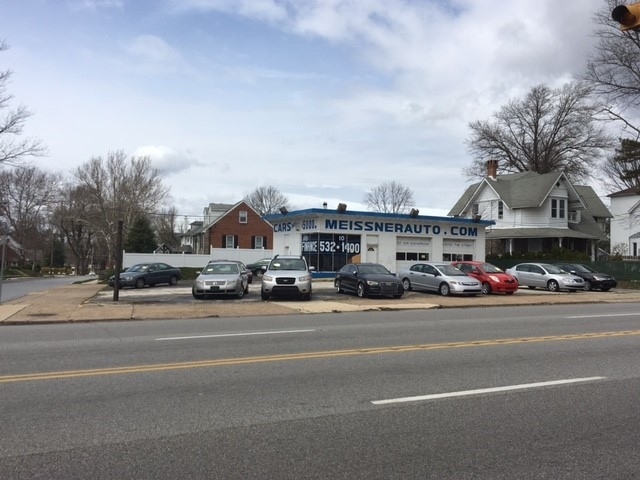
column 197, row 261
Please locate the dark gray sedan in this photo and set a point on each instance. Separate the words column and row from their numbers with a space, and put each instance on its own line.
column 142, row 274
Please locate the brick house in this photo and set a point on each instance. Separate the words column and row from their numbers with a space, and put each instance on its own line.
column 229, row 226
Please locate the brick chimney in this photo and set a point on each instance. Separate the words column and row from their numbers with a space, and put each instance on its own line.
column 492, row 169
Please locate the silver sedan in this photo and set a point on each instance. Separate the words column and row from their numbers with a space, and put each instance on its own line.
column 221, row 278
column 439, row 277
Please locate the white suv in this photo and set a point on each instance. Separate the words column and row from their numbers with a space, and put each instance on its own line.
column 286, row 275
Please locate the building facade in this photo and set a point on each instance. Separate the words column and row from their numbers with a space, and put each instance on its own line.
column 329, row 239
column 535, row 212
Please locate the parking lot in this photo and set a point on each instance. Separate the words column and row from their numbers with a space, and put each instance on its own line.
column 323, row 290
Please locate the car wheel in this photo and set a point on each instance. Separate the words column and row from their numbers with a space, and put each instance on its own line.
column 264, row 295
column 406, row 283
column 240, row 293
column 486, row 288
column 509, row 293
column 444, row 289
column 173, row 281
column 307, row 296
column 398, row 295
column 338, row 286
column 246, row 289
column 605, row 289
column 139, row 283
column 197, row 296
column 531, row 287
column 360, row 290
column 588, row 286
column 553, row 286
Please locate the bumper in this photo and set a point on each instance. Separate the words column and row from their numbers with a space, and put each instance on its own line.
column 464, row 289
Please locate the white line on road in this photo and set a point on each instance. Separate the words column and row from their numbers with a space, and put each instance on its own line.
column 247, row 334
column 486, row 390
column 605, row 315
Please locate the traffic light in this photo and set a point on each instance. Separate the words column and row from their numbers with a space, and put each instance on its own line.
column 628, row 16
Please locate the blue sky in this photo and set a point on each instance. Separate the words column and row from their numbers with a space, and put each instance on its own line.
column 323, row 99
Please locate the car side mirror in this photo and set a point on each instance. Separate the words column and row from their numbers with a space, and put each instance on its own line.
column 263, row 268
column 312, row 269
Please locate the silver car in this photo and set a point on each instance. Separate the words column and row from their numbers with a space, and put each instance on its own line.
column 443, row 278
column 287, row 275
column 221, row 278
column 545, row 275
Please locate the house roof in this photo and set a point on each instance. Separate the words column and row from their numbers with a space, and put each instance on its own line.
column 516, row 190
column 574, row 231
column 592, row 201
column 627, row 192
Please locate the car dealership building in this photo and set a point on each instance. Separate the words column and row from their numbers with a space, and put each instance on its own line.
column 329, row 239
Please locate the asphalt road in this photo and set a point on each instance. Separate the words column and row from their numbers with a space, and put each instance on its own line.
column 527, row 393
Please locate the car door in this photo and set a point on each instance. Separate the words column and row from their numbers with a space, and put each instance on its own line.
column 349, row 278
column 538, row 276
column 430, row 278
column 415, row 276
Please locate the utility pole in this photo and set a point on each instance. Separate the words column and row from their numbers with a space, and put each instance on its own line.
column 116, row 280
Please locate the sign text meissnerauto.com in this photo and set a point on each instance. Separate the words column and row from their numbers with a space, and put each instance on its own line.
column 375, row 226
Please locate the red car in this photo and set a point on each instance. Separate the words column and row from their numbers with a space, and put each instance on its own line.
column 493, row 279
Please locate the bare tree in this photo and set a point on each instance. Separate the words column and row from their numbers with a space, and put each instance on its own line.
column 549, row 130
column 74, row 216
column 389, row 197
column 27, row 196
column 165, row 226
column 120, row 189
column 13, row 149
column 613, row 69
column 267, row 200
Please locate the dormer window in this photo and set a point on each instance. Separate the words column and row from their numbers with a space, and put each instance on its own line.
column 243, row 216
column 558, row 208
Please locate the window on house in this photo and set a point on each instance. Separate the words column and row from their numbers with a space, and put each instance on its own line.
column 259, row 242
column 475, row 209
column 243, row 216
column 229, row 241
column 557, row 208
column 500, row 209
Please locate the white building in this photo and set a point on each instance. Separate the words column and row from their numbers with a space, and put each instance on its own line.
column 625, row 224
column 329, row 239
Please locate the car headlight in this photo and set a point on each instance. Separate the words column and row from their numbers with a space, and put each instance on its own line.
column 267, row 278
column 127, row 278
column 199, row 282
column 494, row 278
column 598, row 278
column 372, row 283
column 304, row 278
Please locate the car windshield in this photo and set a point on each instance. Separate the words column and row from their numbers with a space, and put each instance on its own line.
column 490, row 268
column 220, row 269
column 374, row 269
column 288, row 264
column 450, row 270
column 142, row 267
column 552, row 268
column 583, row 268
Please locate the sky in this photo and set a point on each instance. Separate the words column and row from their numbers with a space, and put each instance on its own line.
column 322, row 99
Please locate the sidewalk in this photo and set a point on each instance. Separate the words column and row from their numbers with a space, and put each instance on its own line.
column 91, row 301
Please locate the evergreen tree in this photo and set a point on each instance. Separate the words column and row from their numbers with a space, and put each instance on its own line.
column 141, row 238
